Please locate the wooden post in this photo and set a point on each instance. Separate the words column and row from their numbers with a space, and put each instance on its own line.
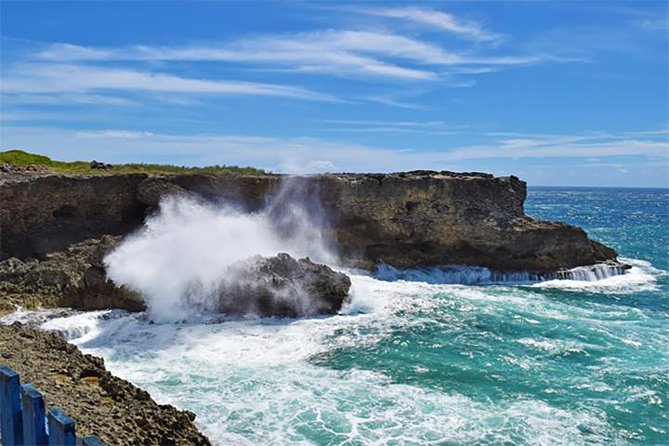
column 10, row 407
column 61, row 428
column 90, row 440
column 34, row 427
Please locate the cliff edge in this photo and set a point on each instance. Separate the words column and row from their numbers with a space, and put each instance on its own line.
column 410, row 219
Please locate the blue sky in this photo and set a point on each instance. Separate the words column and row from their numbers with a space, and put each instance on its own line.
column 558, row 93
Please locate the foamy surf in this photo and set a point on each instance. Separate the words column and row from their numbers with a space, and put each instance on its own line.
column 642, row 276
column 405, row 362
column 478, row 275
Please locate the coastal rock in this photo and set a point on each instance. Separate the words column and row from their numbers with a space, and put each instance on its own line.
column 47, row 213
column 72, row 278
column 152, row 190
column 406, row 220
column 282, row 286
column 100, row 403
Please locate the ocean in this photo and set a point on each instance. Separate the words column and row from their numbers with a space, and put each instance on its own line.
column 418, row 362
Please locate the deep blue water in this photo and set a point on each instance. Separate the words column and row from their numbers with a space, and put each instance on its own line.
column 633, row 221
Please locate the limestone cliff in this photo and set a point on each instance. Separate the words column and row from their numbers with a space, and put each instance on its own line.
column 403, row 219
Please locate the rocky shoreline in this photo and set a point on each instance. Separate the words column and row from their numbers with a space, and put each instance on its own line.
column 55, row 231
column 100, row 403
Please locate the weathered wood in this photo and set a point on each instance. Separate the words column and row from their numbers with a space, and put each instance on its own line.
column 10, row 407
column 61, row 428
column 34, row 425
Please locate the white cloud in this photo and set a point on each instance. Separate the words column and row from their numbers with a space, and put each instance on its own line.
column 377, row 126
column 48, row 79
column 349, row 53
column 308, row 154
column 62, row 98
column 124, row 134
column 365, row 122
column 439, row 20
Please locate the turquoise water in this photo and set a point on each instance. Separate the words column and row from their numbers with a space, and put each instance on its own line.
column 561, row 362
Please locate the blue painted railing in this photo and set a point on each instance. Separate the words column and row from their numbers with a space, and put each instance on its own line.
column 23, row 420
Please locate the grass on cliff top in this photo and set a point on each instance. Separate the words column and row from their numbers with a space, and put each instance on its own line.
column 21, row 158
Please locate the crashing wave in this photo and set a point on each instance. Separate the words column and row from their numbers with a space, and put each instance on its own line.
column 479, row 275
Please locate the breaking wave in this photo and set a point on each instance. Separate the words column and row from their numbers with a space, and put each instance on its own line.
column 178, row 260
column 478, row 275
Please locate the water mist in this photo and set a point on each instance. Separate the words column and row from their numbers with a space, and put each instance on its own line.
column 180, row 256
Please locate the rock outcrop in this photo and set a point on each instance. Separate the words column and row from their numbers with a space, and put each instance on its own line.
column 47, row 213
column 405, row 220
column 282, row 286
column 101, row 404
column 72, row 278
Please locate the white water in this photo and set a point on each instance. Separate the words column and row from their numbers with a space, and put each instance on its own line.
column 478, row 275
column 258, row 381
column 182, row 254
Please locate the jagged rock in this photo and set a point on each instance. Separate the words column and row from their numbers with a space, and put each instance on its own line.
column 100, row 403
column 282, row 286
column 71, row 278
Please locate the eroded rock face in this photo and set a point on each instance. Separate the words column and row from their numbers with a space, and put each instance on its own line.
column 101, row 404
column 282, row 286
column 47, row 213
column 406, row 220
column 72, row 278
column 438, row 218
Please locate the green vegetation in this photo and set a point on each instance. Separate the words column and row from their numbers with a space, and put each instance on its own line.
column 21, row 158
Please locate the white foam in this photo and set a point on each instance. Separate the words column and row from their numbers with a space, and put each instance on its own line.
column 642, row 276
column 478, row 275
column 178, row 260
column 252, row 382
column 258, row 381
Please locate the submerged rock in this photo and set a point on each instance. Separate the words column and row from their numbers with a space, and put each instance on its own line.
column 282, row 286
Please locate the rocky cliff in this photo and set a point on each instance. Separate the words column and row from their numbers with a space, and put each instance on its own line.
column 404, row 219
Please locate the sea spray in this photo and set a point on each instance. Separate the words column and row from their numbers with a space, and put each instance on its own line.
column 184, row 250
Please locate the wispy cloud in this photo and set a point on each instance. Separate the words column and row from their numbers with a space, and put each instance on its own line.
column 49, row 79
column 365, row 122
column 348, row 53
column 58, row 98
column 595, row 144
column 439, row 20
column 655, row 24
column 122, row 134
column 377, row 126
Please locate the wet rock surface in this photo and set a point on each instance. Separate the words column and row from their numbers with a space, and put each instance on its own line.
column 101, row 404
column 72, row 278
column 282, row 286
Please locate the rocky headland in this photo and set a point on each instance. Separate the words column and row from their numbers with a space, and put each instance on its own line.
column 404, row 219
column 55, row 229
